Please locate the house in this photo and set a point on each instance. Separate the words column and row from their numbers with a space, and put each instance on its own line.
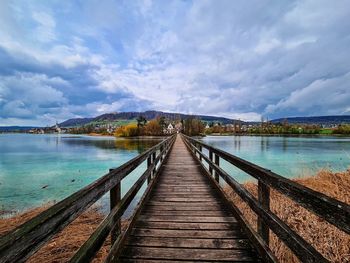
column 170, row 129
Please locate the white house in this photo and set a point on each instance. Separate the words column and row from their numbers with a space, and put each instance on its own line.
column 170, row 129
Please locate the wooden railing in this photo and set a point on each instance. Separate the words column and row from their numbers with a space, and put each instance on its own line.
column 25, row 240
column 335, row 212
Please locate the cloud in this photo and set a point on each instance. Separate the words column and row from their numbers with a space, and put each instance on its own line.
column 315, row 97
column 28, row 95
column 46, row 26
column 237, row 59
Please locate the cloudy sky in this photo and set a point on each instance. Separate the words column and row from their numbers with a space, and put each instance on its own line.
column 241, row 59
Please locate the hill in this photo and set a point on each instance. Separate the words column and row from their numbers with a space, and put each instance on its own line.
column 318, row 120
column 75, row 122
column 16, row 128
column 149, row 115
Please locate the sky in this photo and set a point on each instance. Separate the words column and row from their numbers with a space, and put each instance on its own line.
column 239, row 59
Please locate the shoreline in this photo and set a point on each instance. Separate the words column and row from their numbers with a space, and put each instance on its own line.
column 276, row 135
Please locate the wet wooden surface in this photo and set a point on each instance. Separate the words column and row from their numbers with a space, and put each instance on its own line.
column 185, row 219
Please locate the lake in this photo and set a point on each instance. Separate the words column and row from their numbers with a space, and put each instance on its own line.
column 36, row 169
column 288, row 156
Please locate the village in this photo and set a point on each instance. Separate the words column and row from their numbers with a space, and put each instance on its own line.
column 193, row 126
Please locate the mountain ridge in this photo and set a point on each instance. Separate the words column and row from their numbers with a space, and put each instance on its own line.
column 114, row 116
column 151, row 114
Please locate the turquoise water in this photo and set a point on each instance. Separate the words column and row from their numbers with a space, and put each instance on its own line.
column 63, row 164
column 36, row 169
column 287, row 156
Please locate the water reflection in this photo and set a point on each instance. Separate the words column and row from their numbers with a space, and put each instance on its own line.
column 139, row 145
column 285, row 144
column 264, row 143
column 237, row 143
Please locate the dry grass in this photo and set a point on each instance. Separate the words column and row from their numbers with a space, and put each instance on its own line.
column 62, row 247
column 327, row 239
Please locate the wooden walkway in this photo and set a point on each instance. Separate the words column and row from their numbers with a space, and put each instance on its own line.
column 185, row 219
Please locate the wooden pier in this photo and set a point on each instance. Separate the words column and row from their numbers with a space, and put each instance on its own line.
column 185, row 218
column 183, row 215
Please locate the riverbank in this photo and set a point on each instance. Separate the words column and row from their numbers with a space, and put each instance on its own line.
column 331, row 242
column 318, row 135
column 141, row 137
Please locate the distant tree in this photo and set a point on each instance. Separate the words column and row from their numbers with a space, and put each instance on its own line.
column 161, row 122
column 141, row 121
column 153, row 128
column 193, row 127
column 129, row 130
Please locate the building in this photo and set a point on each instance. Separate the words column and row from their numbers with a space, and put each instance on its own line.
column 170, row 129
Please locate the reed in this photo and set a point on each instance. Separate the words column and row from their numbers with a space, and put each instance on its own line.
column 334, row 244
column 62, row 247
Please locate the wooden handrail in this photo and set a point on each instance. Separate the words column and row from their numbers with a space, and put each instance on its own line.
column 332, row 210
column 328, row 208
column 95, row 241
column 19, row 244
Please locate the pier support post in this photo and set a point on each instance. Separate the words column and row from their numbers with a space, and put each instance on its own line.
column 217, row 162
column 115, row 197
column 264, row 200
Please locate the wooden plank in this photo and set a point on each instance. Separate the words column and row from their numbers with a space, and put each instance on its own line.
column 179, row 199
column 188, row 254
column 221, row 234
column 172, row 218
column 183, row 184
column 186, row 195
column 202, row 213
column 188, row 204
column 187, row 207
column 188, row 242
column 186, row 226
column 173, row 180
column 195, row 192
column 185, row 189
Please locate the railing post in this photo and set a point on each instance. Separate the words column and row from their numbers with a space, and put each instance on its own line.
column 264, row 200
column 217, row 162
column 200, row 149
column 154, row 161
column 211, row 159
column 115, row 197
column 161, row 153
column 149, row 163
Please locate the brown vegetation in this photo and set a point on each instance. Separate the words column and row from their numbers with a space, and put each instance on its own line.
column 153, row 127
column 193, row 127
column 327, row 239
column 62, row 247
